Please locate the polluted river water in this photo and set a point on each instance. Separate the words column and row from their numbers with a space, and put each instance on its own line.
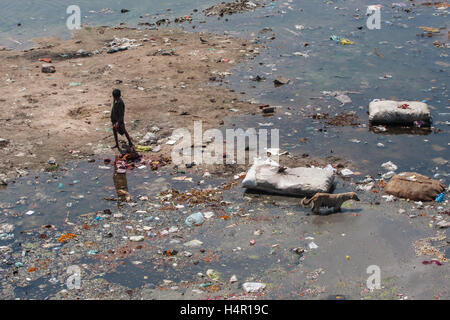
column 62, row 219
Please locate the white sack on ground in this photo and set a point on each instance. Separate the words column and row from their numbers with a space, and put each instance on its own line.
column 264, row 176
column 398, row 112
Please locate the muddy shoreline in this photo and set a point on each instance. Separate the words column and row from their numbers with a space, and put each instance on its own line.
column 164, row 82
column 144, row 249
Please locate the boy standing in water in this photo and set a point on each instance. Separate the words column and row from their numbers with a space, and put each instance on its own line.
column 117, row 119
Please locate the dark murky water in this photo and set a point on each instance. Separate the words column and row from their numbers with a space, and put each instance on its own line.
column 416, row 70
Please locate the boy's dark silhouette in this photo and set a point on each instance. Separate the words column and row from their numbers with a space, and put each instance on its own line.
column 117, row 119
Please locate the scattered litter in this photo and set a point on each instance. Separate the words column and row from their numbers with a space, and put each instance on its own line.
column 439, row 197
column 443, row 224
column 346, row 172
column 279, row 81
column 213, row 275
column 312, row 246
column 48, row 68
column 208, row 215
column 193, row 243
column 388, row 198
column 390, row 166
column 140, row 148
column 137, row 238
column 388, row 175
column 253, row 287
column 436, row 262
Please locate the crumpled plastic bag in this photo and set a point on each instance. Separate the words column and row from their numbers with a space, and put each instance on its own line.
column 195, row 219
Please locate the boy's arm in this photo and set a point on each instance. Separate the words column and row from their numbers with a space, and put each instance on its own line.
column 121, row 112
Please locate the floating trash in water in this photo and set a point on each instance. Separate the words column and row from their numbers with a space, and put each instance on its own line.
column 346, row 172
column 195, row 219
column 390, row 166
column 313, row 246
column 439, row 197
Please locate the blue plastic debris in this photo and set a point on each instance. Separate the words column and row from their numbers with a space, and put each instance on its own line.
column 440, row 197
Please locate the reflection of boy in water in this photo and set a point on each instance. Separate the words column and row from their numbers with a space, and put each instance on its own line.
column 121, row 185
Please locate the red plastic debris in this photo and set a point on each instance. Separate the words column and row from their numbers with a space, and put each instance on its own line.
column 432, row 261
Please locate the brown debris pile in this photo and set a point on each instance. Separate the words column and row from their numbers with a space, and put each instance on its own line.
column 231, row 7
column 198, row 196
column 340, row 120
column 195, row 196
column 436, row 4
column 423, row 247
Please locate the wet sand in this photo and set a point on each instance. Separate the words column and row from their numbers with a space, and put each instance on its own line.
column 65, row 115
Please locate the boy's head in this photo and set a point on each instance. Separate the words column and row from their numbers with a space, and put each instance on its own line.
column 116, row 93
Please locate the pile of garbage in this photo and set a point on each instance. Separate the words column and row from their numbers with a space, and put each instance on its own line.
column 231, row 7
column 339, row 120
column 131, row 159
column 122, row 44
column 164, row 52
column 195, row 196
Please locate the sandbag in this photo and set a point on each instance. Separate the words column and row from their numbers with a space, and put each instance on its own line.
column 399, row 112
column 414, row 186
column 264, row 175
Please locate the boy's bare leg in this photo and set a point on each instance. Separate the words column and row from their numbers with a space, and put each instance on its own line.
column 128, row 137
column 116, row 139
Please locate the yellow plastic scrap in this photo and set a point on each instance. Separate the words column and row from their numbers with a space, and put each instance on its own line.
column 429, row 29
column 345, row 41
column 139, row 148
